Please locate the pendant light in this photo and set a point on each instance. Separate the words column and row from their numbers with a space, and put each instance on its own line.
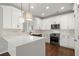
column 28, row 13
column 21, row 18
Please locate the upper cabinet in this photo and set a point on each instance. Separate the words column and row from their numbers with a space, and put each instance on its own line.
column 7, row 13
column 37, row 23
column 67, row 21
column 71, row 21
column 46, row 23
column 16, row 13
column 11, row 17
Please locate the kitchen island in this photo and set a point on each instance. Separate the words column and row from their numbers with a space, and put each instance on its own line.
column 25, row 45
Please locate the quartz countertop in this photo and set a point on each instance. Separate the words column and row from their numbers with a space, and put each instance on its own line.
column 21, row 39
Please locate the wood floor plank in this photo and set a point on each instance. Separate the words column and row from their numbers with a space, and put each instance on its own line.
column 55, row 50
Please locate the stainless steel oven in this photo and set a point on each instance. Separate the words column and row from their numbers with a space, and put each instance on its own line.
column 54, row 38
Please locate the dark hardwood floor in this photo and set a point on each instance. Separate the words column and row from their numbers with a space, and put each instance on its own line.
column 53, row 50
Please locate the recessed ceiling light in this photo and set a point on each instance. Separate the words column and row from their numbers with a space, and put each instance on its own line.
column 47, row 7
column 62, row 8
column 32, row 7
column 43, row 14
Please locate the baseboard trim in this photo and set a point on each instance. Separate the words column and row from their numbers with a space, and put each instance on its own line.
column 3, row 51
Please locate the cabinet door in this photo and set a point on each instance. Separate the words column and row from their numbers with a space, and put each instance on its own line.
column 7, row 13
column 63, row 23
column 10, row 17
column 1, row 20
column 47, row 37
column 71, row 42
column 63, row 40
column 15, row 18
column 35, row 48
column 36, row 24
column 67, row 39
column 76, row 12
column 70, row 21
column 67, row 21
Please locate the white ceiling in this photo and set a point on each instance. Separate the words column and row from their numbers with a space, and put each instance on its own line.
column 40, row 8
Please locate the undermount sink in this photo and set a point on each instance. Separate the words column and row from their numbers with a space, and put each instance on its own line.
column 36, row 34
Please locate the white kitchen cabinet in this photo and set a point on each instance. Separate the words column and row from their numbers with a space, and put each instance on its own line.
column 63, row 40
column 25, row 45
column 16, row 13
column 1, row 19
column 3, row 43
column 11, row 17
column 36, row 23
column 71, row 21
column 76, row 18
column 71, row 42
column 46, row 36
column 46, row 23
column 67, row 21
column 7, row 12
column 57, row 19
column 63, row 24
column 67, row 39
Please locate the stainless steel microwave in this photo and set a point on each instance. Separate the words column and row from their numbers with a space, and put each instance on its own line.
column 55, row 26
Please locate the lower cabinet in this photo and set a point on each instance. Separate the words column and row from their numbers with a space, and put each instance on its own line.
column 46, row 35
column 67, row 40
column 35, row 48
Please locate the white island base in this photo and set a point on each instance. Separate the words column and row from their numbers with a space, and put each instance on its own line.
column 26, row 46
